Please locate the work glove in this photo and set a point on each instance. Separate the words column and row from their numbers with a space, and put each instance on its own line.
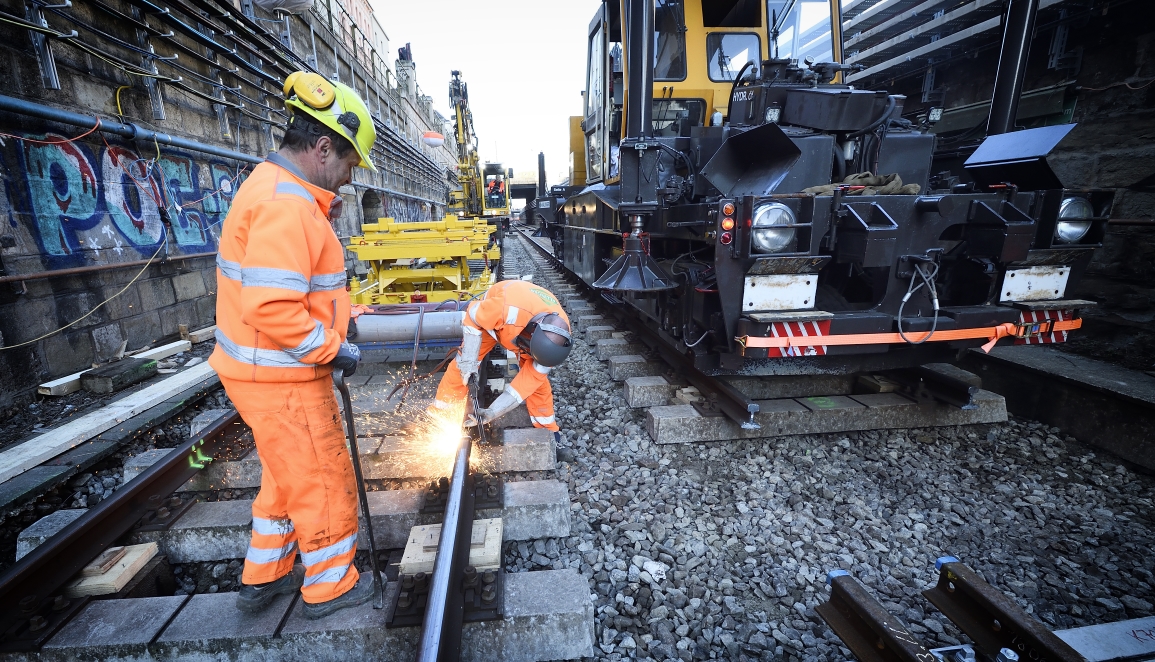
column 468, row 360
column 348, row 356
column 503, row 404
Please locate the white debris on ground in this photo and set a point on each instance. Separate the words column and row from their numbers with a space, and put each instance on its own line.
column 720, row 550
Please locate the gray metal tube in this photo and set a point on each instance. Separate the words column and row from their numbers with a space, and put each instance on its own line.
column 541, row 174
column 132, row 131
column 439, row 325
column 1020, row 27
column 639, row 29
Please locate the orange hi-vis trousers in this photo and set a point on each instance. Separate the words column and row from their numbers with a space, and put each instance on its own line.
column 308, row 496
column 538, row 398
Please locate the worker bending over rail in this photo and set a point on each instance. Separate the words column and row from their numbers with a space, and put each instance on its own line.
column 526, row 319
column 282, row 316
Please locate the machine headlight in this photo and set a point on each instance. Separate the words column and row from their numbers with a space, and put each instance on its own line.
column 768, row 236
column 1074, row 220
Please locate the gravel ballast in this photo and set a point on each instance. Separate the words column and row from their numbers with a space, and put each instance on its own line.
column 720, row 550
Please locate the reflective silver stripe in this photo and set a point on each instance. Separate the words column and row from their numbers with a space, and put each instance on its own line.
column 511, row 315
column 325, row 282
column 330, row 551
column 272, row 527
column 330, row 576
column 285, row 279
column 492, row 333
column 512, row 391
column 315, row 339
column 470, row 330
column 473, row 310
column 541, row 368
column 544, row 420
column 264, row 555
column 293, row 188
column 268, row 358
column 229, row 269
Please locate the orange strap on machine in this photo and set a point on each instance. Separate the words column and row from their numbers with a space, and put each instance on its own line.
column 992, row 333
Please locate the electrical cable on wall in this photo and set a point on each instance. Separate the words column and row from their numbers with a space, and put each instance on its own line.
column 152, row 194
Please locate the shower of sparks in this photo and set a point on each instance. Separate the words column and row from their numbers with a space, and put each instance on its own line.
column 421, row 441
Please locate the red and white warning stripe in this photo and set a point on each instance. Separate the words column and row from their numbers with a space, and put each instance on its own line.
column 1037, row 316
column 799, row 330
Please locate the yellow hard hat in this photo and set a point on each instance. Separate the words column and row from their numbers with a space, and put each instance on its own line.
column 336, row 106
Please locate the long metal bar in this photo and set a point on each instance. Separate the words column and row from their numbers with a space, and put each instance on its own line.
column 441, row 627
column 355, row 453
column 128, row 130
column 42, row 573
column 864, row 625
column 1020, row 28
column 991, row 618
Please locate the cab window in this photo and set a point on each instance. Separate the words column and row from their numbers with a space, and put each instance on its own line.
column 669, row 40
column 803, row 29
column 594, row 81
column 728, row 52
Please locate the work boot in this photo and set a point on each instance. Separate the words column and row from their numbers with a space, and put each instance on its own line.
column 255, row 597
column 361, row 593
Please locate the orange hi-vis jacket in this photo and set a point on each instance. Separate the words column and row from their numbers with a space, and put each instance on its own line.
column 499, row 317
column 504, row 311
column 282, row 307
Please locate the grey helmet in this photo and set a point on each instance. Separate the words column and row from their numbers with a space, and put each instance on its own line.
column 547, row 339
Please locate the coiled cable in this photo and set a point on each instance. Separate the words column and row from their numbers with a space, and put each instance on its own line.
column 928, row 280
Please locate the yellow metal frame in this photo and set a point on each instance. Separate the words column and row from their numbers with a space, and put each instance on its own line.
column 429, row 260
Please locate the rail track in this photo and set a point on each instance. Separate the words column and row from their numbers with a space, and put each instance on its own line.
column 629, row 547
column 186, row 502
column 991, row 621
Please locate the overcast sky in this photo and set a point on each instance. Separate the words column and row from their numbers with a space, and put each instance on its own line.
column 524, row 62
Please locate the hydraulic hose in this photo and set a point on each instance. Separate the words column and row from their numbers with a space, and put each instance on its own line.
column 737, row 80
column 891, row 102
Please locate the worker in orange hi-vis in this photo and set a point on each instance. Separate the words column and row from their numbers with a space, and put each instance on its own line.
column 282, row 316
column 524, row 318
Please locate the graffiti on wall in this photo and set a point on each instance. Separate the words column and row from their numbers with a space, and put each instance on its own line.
column 87, row 203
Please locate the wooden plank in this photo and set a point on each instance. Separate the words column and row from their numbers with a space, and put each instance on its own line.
column 116, row 376
column 135, row 557
column 71, row 383
column 54, row 442
column 104, row 562
column 484, row 547
column 165, row 351
column 200, row 335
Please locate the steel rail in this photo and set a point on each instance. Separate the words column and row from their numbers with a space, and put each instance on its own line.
column 730, row 401
column 440, row 637
column 38, row 577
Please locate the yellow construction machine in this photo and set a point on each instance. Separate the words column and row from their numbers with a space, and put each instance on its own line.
column 431, row 262
column 466, row 201
column 447, row 260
